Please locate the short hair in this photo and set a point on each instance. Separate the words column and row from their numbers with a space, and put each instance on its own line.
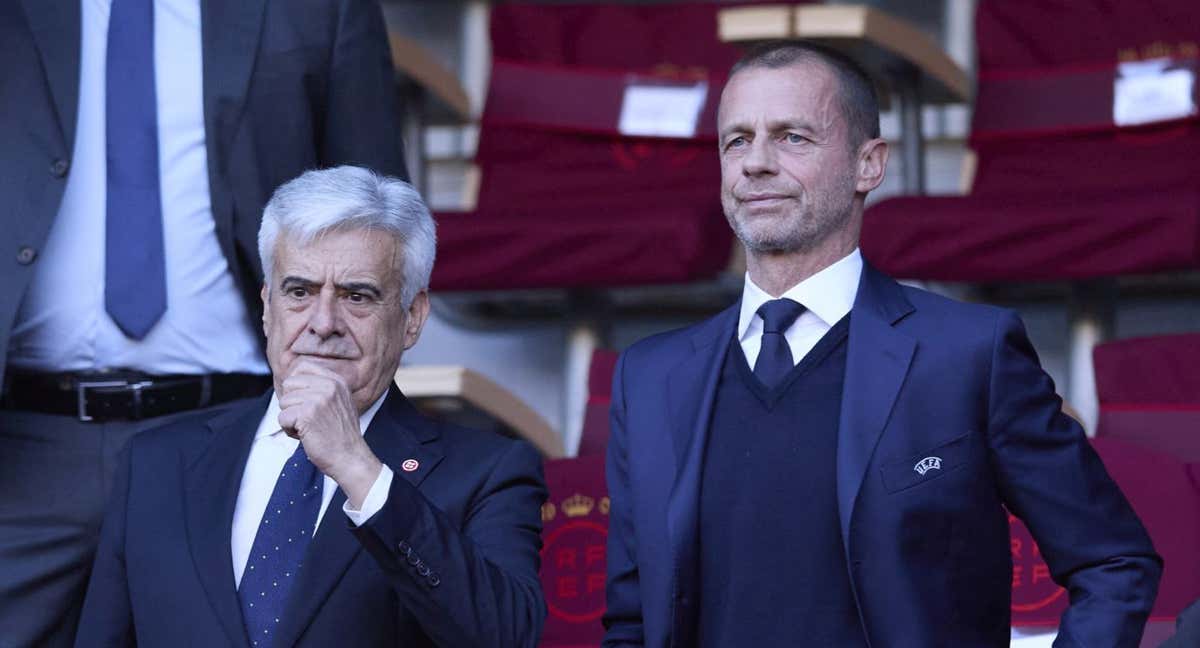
column 345, row 198
column 860, row 105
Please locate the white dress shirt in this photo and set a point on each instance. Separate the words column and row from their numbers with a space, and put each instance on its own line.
column 826, row 296
column 272, row 448
column 62, row 324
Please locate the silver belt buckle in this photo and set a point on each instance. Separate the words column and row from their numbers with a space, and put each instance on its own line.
column 81, row 388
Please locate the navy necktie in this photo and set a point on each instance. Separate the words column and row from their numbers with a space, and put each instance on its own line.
column 775, row 357
column 277, row 554
column 135, row 285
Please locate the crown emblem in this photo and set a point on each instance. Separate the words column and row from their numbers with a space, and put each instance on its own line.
column 578, row 505
column 548, row 511
column 605, row 504
column 928, row 463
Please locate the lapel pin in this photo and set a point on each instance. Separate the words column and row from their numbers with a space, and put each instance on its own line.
column 410, row 465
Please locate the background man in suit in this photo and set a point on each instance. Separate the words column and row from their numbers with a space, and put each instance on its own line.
column 207, row 539
column 828, row 462
column 141, row 140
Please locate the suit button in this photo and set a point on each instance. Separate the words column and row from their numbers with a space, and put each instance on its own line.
column 26, row 255
column 413, row 558
column 59, row 168
column 423, row 570
column 404, row 548
column 434, row 580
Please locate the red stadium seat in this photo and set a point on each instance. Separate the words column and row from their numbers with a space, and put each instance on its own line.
column 1066, row 187
column 575, row 524
column 568, row 200
column 1149, row 392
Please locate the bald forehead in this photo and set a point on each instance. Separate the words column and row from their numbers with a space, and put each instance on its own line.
column 806, row 92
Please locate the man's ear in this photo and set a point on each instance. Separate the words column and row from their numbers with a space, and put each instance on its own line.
column 872, row 163
column 266, row 300
column 418, row 312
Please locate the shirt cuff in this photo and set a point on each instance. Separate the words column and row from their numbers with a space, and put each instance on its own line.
column 376, row 498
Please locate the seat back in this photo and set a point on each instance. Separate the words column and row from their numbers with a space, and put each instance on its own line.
column 1044, row 114
column 1149, row 392
column 575, row 524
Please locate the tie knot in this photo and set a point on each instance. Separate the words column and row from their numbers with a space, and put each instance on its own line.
column 779, row 314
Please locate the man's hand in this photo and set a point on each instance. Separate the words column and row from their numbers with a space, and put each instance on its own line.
column 316, row 408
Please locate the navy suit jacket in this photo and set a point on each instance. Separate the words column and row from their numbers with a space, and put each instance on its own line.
column 928, row 552
column 289, row 85
column 451, row 560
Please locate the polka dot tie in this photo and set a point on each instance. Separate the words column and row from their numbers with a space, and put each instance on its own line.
column 775, row 356
column 277, row 555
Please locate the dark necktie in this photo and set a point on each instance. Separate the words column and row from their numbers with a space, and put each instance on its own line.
column 775, row 357
column 277, row 554
column 135, row 285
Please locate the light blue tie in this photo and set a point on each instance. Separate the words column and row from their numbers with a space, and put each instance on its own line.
column 277, row 555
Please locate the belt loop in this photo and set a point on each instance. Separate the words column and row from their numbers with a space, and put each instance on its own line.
column 137, row 388
column 205, row 391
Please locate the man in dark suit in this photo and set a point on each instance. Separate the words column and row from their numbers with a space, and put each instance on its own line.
column 828, row 463
column 141, row 139
column 207, row 539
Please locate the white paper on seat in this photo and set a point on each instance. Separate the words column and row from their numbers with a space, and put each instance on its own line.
column 1146, row 92
column 662, row 110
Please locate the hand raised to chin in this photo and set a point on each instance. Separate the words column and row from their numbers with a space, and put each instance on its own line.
column 315, row 407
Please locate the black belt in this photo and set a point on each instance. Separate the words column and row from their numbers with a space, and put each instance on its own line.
column 124, row 395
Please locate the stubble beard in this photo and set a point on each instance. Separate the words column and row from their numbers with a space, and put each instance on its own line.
column 804, row 226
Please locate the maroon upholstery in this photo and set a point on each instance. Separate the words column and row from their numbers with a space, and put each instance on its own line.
column 615, row 35
column 1149, row 390
column 574, row 533
column 595, row 419
column 1026, row 238
column 1060, row 192
column 565, row 200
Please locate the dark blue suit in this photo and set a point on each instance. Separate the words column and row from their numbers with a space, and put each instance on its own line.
column 928, row 550
column 451, row 560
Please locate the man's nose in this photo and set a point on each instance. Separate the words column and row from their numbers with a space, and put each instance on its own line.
column 325, row 319
column 760, row 159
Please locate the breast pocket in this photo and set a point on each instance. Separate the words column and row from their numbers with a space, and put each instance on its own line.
column 926, row 466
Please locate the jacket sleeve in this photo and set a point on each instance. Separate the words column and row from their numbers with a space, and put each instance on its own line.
column 361, row 122
column 476, row 585
column 107, row 617
column 1053, row 480
column 623, row 617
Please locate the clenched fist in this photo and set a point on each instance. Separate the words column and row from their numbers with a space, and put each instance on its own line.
column 316, row 408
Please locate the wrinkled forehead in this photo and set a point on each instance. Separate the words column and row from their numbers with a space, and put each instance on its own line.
column 340, row 253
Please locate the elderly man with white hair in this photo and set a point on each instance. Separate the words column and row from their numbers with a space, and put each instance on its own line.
column 248, row 528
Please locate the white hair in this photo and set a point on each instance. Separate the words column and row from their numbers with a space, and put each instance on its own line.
column 348, row 197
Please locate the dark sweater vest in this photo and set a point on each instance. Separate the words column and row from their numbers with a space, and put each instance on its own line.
column 772, row 565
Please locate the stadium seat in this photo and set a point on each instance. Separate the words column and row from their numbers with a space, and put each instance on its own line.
column 1149, row 391
column 575, row 190
column 1083, row 170
column 575, row 524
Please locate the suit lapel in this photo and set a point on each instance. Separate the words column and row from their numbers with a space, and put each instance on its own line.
column 877, row 361
column 230, row 32
column 212, row 484
column 55, row 27
column 691, row 388
column 397, row 433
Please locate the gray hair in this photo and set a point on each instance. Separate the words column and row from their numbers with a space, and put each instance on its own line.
column 859, row 103
column 348, row 197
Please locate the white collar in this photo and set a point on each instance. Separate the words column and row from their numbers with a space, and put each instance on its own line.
column 269, row 426
column 828, row 294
